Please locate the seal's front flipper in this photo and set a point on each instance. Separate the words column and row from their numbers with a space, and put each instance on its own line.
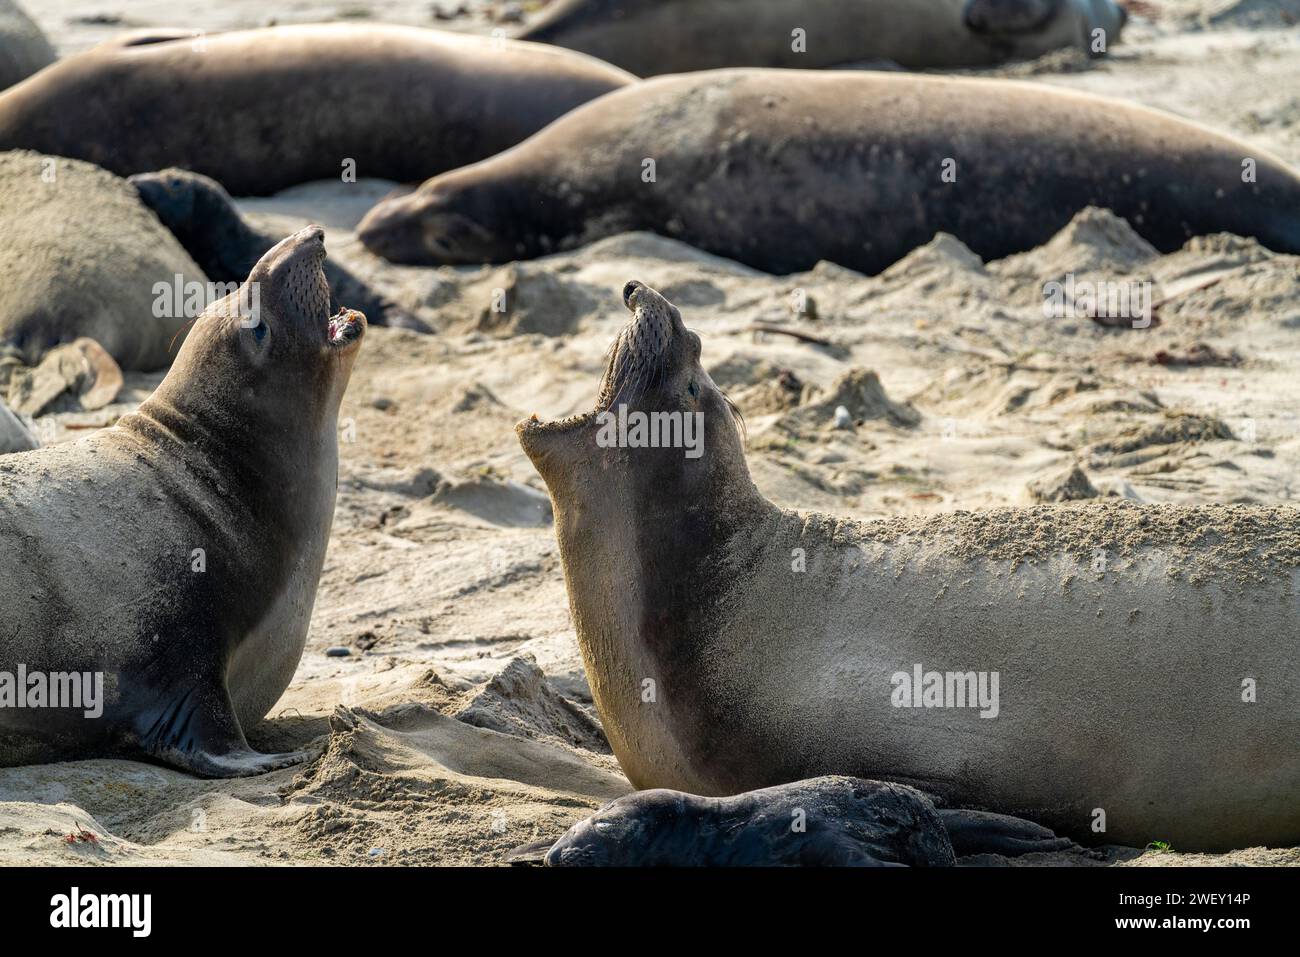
column 981, row 832
column 198, row 732
column 1008, row 17
column 529, row 855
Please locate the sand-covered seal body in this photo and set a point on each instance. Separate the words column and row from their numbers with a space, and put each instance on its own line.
column 650, row 37
column 203, row 218
column 23, row 47
column 1115, row 672
column 259, row 110
column 80, row 255
column 780, row 169
column 173, row 559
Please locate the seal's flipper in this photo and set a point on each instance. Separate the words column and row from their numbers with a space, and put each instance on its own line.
column 982, row 832
column 529, row 855
column 198, row 732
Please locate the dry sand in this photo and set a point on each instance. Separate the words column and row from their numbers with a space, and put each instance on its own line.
column 460, row 724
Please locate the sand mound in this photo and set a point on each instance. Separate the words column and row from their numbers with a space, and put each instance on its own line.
column 1096, row 240
column 860, row 392
column 79, row 243
column 1072, row 485
column 524, row 298
column 1175, row 428
column 520, row 701
column 781, row 392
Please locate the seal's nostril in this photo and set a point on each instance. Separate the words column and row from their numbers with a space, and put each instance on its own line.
column 628, row 290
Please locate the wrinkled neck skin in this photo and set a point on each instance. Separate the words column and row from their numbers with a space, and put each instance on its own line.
column 277, row 465
column 649, row 540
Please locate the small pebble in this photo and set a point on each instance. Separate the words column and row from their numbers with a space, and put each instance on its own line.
column 842, row 418
column 375, row 852
column 338, row 651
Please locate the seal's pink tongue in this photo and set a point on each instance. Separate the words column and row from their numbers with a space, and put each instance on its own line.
column 345, row 326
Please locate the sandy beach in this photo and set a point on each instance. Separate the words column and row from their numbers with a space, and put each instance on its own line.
column 459, row 723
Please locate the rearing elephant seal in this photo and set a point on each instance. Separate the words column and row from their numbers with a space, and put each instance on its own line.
column 162, row 572
column 649, row 37
column 1117, row 673
column 259, row 110
column 781, row 168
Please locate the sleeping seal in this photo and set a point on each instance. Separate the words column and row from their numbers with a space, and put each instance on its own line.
column 161, row 573
column 779, row 169
column 822, row 822
column 1117, row 673
column 259, row 110
column 649, row 37
column 23, row 47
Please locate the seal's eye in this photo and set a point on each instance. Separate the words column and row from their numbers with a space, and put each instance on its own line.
column 693, row 389
column 259, row 330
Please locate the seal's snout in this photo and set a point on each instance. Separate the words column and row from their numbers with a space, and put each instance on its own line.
column 393, row 229
column 629, row 291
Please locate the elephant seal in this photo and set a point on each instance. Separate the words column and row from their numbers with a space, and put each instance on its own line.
column 822, row 822
column 259, row 110
column 1108, row 671
column 825, row 822
column 80, row 255
column 23, row 47
column 163, row 571
column 14, row 435
column 202, row 216
column 649, row 37
column 779, row 169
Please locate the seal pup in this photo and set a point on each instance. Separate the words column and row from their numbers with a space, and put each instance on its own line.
column 203, row 218
column 259, row 110
column 779, row 169
column 825, row 822
column 649, row 37
column 163, row 571
column 1108, row 671
column 822, row 822
column 23, row 47
column 80, row 255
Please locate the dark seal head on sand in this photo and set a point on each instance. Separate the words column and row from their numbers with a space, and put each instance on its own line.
column 1043, row 662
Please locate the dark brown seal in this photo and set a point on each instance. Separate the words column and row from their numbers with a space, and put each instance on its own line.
column 259, row 110
column 649, row 37
column 779, row 169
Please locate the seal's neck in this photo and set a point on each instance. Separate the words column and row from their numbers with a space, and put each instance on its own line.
column 647, row 563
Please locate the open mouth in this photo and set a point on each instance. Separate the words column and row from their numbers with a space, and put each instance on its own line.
column 627, row 368
column 345, row 327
